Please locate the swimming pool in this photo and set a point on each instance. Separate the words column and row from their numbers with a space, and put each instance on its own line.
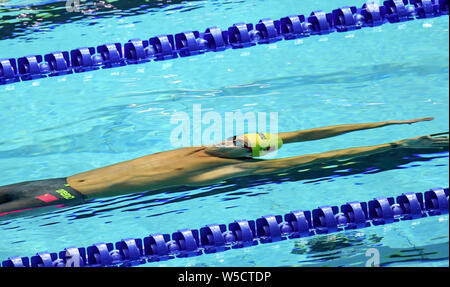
column 69, row 124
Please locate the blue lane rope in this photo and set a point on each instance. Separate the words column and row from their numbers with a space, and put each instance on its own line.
column 215, row 238
column 240, row 35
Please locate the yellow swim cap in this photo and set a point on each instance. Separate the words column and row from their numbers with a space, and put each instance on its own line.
column 263, row 143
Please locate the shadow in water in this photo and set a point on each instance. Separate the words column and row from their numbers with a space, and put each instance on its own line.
column 349, row 250
column 21, row 20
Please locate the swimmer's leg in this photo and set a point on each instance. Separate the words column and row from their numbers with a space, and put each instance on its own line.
column 332, row 131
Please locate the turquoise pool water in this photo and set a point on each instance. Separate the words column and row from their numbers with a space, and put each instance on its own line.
column 65, row 125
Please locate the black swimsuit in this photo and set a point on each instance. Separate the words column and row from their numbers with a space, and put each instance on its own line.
column 40, row 193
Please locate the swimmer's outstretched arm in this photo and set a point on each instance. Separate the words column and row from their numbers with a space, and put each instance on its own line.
column 283, row 164
column 331, row 131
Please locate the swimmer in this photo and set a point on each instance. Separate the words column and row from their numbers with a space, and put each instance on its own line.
column 197, row 166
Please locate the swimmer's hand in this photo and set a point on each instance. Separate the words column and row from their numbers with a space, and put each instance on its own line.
column 408, row 122
column 425, row 142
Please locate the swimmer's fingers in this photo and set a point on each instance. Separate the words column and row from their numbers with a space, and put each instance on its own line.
column 440, row 141
column 426, row 142
column 416, row 120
